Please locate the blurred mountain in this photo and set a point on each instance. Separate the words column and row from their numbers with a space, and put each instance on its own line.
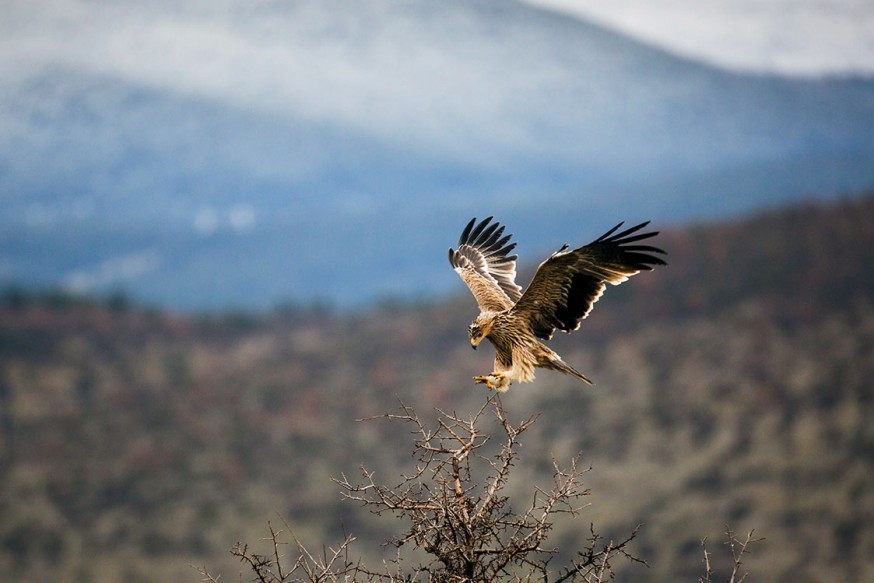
column 220, row 154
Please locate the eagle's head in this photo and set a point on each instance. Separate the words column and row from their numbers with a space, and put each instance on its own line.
column 479, row 329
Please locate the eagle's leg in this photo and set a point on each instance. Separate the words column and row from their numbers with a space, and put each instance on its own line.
column 497, row 381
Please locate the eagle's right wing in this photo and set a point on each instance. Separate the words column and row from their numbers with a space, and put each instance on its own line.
column 567, row 284
column 483, row 263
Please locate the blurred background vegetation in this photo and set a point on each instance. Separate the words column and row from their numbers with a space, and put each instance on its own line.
column 735, row 386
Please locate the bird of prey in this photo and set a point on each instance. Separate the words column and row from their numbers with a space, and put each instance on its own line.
column 560, row 295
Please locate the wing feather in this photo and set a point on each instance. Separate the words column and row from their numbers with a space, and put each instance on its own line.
column 568, row 283
column 485, row 265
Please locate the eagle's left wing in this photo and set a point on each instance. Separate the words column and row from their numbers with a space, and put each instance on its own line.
column 567, row 285
column 484, row 264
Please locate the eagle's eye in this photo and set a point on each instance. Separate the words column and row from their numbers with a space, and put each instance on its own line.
column 474, row 331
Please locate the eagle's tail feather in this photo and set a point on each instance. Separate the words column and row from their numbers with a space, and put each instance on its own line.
column 562, row 366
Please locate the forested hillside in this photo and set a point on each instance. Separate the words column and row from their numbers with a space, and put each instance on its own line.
column 735, row 386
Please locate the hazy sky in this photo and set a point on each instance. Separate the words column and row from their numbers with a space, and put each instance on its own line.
column 799, row 37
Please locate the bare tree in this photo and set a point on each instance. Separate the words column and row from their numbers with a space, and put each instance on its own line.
column 455, row 502
column 467, row 524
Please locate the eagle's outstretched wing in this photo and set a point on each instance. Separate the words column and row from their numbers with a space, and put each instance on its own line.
column 566, row 285
column 483, row 263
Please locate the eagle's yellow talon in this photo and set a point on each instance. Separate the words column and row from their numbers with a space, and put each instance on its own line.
column 495, row 381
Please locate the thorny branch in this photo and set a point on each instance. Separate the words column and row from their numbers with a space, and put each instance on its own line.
column 737, row 548
column 468, row 525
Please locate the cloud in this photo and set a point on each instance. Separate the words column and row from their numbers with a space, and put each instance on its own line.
column 113, row 271
column 796, row 37
column 239, row 218
column 206, row 221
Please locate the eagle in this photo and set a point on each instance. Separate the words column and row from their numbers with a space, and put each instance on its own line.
column 561, row 293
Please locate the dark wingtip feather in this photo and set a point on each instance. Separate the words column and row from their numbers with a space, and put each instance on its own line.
column 478, row 229
column 609, row 236
column 608, row 233
column 486, row 238
column 466, row 232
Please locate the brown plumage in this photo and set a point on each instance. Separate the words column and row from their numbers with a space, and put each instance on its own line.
column 561, row 294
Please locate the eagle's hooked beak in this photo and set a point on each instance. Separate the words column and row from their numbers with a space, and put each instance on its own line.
column 473, row 343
